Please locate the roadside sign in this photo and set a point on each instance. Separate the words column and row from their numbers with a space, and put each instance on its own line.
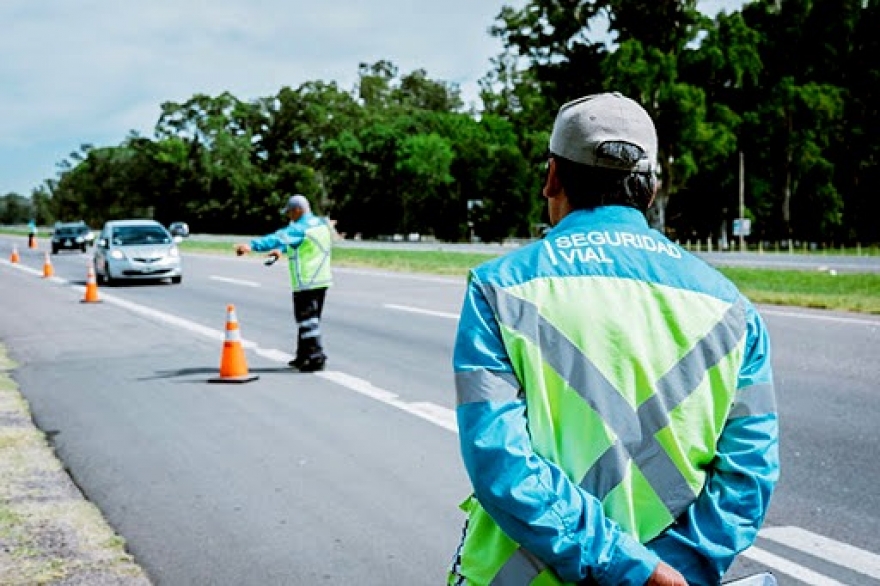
column 742, row 227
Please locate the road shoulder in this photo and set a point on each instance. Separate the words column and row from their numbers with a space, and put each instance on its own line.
column 49, row 533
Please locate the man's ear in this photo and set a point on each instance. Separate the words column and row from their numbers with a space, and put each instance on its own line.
column 552, row 185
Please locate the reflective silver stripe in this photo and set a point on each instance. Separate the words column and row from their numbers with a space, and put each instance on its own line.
column 671, row 390
column 475, row 386
column 310, row 334
column 606, row 472
column 752, row 401
column 587, row 381
column 635, row 430
column 519, row 570
column 308, row 323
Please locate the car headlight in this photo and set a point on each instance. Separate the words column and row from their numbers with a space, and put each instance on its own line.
column 79, row 239
column 173, row 252
column 117, row 254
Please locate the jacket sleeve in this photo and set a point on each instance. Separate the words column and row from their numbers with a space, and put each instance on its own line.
column 730, row 510
column 529, row 497
column 280, row 240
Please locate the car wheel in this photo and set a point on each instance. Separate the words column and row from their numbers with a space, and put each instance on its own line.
column 82, row 248
column 176, row 280
column 54, row 250
column 108, row 280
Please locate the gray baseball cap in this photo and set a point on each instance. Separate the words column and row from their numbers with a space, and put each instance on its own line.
column 583, row 125
column 297, row 202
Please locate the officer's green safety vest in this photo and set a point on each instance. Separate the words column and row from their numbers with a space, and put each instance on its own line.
column 310, row 261
column 633, row 420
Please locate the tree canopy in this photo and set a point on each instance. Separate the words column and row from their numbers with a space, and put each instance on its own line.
column 788, row 87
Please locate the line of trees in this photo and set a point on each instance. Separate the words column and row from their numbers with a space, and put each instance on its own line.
column 789, row 86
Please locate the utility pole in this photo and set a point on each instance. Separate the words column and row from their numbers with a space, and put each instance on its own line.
column 742, row 201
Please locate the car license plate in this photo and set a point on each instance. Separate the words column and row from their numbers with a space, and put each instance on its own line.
column 67, row 243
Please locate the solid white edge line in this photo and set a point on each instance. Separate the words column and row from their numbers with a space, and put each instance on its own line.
column 854, row 558
column 436, row 414
column 789, row 568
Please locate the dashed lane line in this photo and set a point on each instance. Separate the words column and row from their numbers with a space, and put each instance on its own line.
column 241, row 282
column 431, row 312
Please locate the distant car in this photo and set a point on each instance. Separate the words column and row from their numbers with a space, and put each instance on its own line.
column 137, row 250
column 71, row 236
column 179, row 229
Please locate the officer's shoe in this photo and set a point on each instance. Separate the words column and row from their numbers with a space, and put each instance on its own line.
column 311, row 366
column 306, row 364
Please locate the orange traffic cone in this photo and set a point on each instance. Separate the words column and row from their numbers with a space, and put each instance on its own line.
column 91, row 295
column 233, row 364
column 14, row 258
column 48, row 269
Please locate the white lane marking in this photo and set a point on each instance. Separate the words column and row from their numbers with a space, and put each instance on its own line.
column 439, row 416
column 398, row 275
column 273, row 354
column 789, row 568
column 858, row 560
column 835, row 318
column 241, row 282
column 420, row 310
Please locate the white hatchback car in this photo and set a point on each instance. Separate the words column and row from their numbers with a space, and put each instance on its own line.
column 137, row 250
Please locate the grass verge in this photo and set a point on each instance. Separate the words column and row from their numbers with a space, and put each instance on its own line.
column 49, row 533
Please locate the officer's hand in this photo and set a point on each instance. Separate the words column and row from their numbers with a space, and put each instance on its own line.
column 275, row 254
column 666, row 575
column 241, row 249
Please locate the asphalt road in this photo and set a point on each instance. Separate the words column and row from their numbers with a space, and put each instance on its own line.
column 352, row 476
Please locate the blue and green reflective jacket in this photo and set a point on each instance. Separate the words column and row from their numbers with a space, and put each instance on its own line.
column 308, row 244
column 598, row 361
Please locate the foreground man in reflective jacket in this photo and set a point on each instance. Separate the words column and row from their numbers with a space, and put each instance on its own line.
column 616, row 408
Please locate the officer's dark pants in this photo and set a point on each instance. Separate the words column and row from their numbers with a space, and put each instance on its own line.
column 307, row 308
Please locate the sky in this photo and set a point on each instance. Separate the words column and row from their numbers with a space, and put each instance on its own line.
column 76, row 72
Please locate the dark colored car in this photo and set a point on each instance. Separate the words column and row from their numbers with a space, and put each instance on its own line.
column 71, row 236
column 179, row 229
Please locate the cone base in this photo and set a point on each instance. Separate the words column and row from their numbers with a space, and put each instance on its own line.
column 90, row 300
column 234, row 379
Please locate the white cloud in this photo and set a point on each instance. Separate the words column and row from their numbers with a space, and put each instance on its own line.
column 88, row 71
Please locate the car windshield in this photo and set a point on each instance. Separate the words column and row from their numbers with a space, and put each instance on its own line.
column 135, row 235
column 70, row 231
